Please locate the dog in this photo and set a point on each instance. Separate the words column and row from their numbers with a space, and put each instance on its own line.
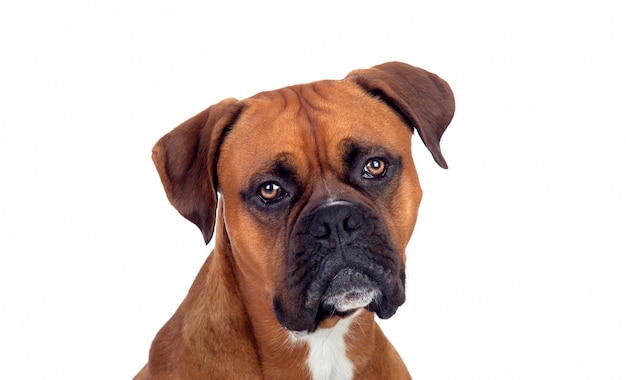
column 318, row 197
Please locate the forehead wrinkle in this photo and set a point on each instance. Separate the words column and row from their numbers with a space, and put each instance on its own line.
column 294, row 116
column 307, row 111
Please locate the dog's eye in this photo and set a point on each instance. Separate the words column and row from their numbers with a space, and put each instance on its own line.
column 374, row 168
column 271, row 192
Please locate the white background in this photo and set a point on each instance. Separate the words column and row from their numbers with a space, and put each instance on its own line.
column 516, row 269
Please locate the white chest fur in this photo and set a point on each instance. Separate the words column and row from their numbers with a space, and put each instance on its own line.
column 327, row 352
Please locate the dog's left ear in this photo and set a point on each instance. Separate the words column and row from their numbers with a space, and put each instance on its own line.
column 186, row 160
column 424, row 100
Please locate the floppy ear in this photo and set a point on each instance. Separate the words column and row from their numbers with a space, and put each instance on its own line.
column 424, row 100
column 186, row 160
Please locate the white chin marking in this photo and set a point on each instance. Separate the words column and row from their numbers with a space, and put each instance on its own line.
column 328, row 358
column 353, row 299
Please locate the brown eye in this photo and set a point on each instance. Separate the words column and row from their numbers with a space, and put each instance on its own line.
column 270, row 191
column 375, row 168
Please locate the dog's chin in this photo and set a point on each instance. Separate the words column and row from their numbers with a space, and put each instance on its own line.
column 348, row 291
column 351, row 300
column 340, row 303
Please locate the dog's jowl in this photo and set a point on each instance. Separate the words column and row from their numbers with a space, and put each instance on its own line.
column 311, row 195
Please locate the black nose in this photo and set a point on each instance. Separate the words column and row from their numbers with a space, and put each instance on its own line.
column 336, row 223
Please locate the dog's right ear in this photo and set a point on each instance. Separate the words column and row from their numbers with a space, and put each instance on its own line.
column 424, row 100
column 186, row 159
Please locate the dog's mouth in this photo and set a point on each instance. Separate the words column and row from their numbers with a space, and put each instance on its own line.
column 350, row 289
column 341, row 293
column 340, row 260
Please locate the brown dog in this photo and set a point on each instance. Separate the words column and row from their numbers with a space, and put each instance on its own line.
column 319, row 198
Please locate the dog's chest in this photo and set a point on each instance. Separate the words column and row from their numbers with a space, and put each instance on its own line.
column 328, row 352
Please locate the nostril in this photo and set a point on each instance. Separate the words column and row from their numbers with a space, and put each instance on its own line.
column 352, row 223
column 319, row 229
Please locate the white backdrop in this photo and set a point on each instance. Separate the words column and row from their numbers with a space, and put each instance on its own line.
column 516, row 269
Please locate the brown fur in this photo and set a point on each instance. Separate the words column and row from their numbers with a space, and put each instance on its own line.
column 226, row 327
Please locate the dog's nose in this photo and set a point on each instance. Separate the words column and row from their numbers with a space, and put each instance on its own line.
column 337, row 222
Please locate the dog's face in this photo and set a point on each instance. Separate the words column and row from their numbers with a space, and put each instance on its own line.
column 319, row 191
column 325, row 189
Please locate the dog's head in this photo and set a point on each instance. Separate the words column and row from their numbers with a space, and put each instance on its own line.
column 318, row 186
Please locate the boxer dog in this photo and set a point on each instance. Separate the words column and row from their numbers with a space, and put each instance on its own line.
column 318, row 197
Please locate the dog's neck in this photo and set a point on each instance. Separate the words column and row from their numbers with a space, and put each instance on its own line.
column 216, row 332
column 224, row 327
column 338, row 349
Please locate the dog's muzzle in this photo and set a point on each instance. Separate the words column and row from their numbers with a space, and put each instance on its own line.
column 340, row 259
